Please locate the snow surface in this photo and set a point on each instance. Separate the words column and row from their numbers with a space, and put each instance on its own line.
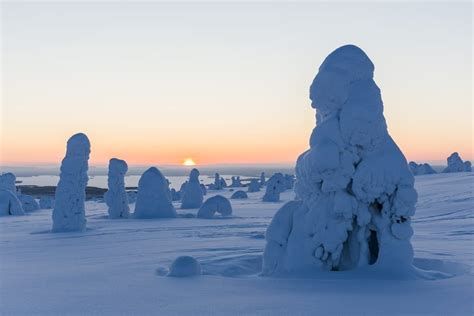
column 110, row 269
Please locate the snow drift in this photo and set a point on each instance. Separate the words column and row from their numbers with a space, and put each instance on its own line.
column 116, row 197
column 153, row 200
column 69, row 210
column 356, row 193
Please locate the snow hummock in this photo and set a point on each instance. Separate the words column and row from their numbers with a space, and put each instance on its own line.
column 215, row 204
column 28, row 202
column 185, row 266
column 456, row 164
column 254, row 185
column 69, row 211
column 275, row 185
column 239, row 195
column 193, row 194
column 116, row 197
column 420, row 169
column 355, row 188
column 153, row 200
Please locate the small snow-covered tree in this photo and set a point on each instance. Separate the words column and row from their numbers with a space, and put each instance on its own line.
column 153, row 199
column 275, row 186
column 193, row 194
column 420, row 169
column 356, row 193
column 116, row 197
column 69, row 208
column 455, row 164
column 254, row 186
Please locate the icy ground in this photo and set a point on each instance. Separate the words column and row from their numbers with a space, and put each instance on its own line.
column 116, row 267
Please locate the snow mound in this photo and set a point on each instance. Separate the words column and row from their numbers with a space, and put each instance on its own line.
column 116, row 197
column 28, row 202
column 420, row 169
column 153, row 200
column 455, row 164
column 185, row 266
column 356, row 193
column 215, row 204
column 10, row 204
column 193, row 195
column 239, row 195
column 275, row 185
column 46, row 202
column 69, row 209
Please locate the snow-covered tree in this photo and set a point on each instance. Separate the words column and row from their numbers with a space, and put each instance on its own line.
column 355, row 189
column 420, row 169
column 153, row 200
column 193, row 195
column 455, row 164
column 116, row 197
column 69, row 208
column 262, row 179
column 235, row 182
column 215, row 204
column 254, row 186
column 275, row 185
column 28, row 203
column 7, row 182
column 10, row 204
column 46, row 202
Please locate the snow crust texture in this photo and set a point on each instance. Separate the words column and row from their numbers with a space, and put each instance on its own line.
column 153, row 197
column 69, row 210
column 193, row 193
column 356, row 193
column 116, row 197
column 215, row 204
column 456, row 164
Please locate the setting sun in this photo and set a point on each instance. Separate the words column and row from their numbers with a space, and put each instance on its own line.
column 189, row 162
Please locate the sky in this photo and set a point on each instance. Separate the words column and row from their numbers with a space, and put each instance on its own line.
column 156, row 83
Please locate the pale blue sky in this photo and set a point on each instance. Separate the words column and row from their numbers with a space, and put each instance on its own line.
column 223, row 83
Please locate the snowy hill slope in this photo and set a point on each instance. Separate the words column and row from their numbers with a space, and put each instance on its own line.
column 116, row 267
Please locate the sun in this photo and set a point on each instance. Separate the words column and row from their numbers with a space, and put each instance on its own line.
column 189, row 162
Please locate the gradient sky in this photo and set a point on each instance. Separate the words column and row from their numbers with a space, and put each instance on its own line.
column 155, row 83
